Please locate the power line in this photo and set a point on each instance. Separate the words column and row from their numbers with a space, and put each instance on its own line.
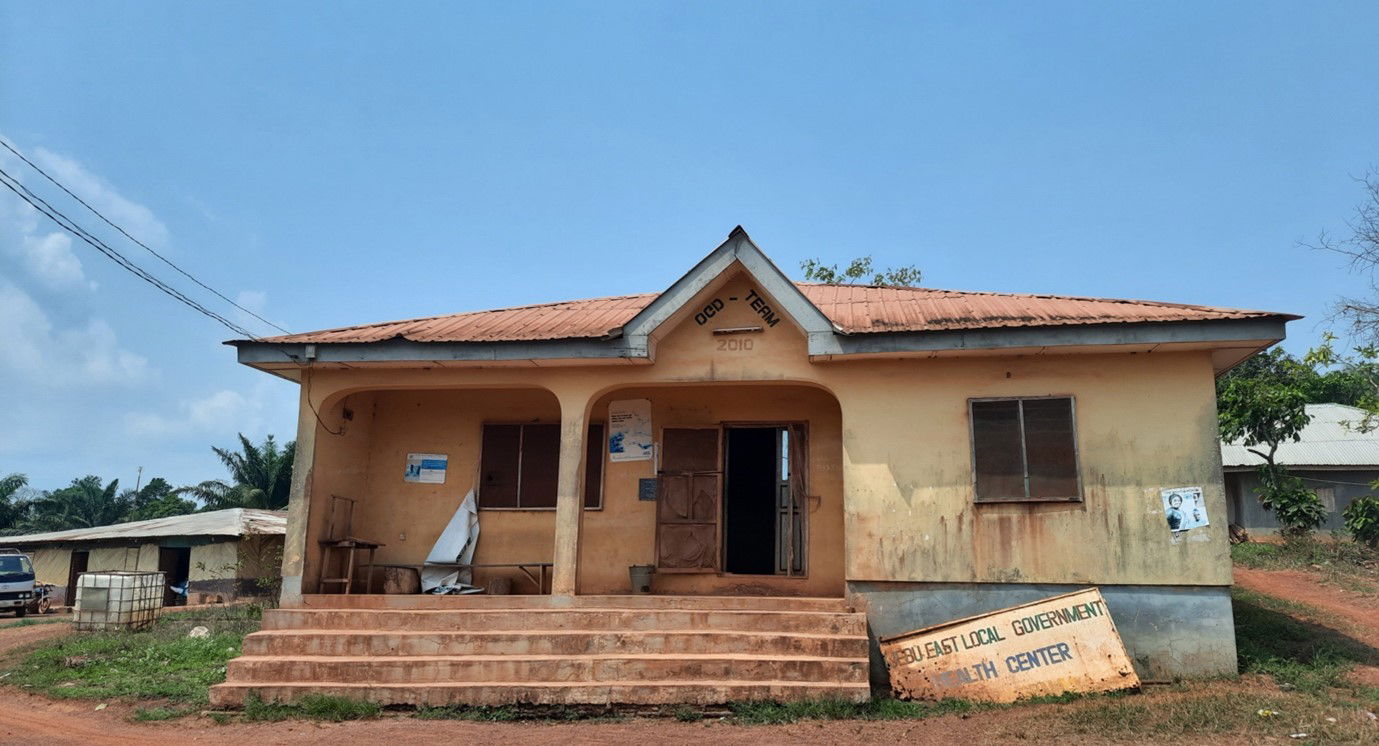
column 146, row 247
column 72, row 227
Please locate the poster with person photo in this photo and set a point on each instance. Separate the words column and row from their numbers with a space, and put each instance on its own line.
column 1184, row 508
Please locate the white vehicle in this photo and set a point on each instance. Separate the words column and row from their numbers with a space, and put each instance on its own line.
column 16, row 581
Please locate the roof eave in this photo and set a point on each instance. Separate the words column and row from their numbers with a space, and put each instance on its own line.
column 1241, row 336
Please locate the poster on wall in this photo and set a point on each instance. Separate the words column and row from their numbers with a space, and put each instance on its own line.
column 629, row 430
column 1184, row 508
column 427, row 468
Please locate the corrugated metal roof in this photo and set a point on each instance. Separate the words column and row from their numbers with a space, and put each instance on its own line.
column 1330, row 439
column 231, row 522
column 855, row 309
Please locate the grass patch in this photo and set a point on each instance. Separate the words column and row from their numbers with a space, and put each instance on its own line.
column 771, row 713
column 156, row 714
column 30, row 621
column 161, row 662
column 1284, row 640
column 481, row 714
column 519, row 713
column 1345, row 561
column 311, row 707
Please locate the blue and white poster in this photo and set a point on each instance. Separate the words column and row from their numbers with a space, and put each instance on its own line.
column 629, row 430
column 427, row 468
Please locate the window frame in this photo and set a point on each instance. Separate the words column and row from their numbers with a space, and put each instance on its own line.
column 603, row 472
column 1024, row 449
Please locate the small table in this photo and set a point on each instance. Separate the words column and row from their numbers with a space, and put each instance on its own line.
column 349, row 545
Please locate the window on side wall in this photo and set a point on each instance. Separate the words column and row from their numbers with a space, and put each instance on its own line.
column 518, row 466
column 1024, row 449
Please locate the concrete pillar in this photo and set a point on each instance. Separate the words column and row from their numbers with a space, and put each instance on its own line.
column 569, row 500
column 299, row 501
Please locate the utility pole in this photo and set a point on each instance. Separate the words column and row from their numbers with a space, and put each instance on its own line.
column 138, row 479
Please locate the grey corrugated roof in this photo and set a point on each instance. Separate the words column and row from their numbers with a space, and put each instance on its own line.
column 1331, row 439
column 231, row 522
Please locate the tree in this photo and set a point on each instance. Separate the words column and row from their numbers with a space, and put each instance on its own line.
column 85, row 503
column 157, row 499
column 1361, row 248
column 12, row 507
column 260, row 477
column 1262, row 404
column 858, row 271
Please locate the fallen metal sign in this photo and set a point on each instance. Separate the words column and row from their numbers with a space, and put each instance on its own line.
column 1066, row 643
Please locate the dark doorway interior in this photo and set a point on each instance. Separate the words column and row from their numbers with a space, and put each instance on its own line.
column 751, row 491
column 175, row 562
column 77, row 567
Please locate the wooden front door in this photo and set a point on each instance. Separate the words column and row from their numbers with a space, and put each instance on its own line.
column 688, row 501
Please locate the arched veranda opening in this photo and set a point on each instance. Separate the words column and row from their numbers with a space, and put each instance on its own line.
column 757, row 542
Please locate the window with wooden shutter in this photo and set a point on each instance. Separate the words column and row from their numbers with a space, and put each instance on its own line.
column 1024, row 449
column 519, row 466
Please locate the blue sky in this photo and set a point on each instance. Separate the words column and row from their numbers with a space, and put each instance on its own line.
column 346, row 163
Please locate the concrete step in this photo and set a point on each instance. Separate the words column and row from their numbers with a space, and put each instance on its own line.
column 640, row 601
column 593, row 619
column 384, row 670
column 493, row 693
column 316, row 642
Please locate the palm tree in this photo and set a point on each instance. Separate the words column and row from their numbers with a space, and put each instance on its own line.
column 12, row 509
column 260, row 477
column 85, row 503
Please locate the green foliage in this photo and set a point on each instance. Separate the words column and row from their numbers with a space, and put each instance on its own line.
column 12, row 507
column 85, row 503
column 1299, row 511
column 1362, row 521
column 860, row 271
column 1262, row 402
column 260, row 477
column 157, row 499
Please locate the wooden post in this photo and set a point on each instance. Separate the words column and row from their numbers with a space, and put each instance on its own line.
column 569, row 500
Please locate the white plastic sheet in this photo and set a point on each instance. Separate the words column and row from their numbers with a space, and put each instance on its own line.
column 455, row 545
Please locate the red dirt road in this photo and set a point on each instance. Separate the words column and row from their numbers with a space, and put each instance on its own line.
column 31, row 719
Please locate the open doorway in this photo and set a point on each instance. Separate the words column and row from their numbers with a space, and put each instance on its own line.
column 763, row 488
column 175, row 562
column 79, row 561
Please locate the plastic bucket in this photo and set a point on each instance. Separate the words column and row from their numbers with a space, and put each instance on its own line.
column 641, row 577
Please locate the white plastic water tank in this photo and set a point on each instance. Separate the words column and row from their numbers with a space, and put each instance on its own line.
column 117, row 600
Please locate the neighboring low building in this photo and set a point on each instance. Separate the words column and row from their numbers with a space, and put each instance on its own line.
column 1332, row 456
column 221, row 555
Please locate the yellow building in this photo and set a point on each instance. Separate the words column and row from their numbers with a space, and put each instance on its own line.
column 922, row 455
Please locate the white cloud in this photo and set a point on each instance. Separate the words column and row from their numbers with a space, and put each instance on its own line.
column 224, row 412
column 34, row 351
column 49, row 258
column 132, row 216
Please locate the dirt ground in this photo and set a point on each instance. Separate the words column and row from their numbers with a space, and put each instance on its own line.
column 28, row 719
column 1356, row 613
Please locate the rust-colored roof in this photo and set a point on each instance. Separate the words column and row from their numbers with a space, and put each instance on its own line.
column 855, row 309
